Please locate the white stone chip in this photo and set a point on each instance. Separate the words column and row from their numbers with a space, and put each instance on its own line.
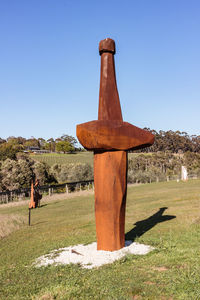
column 88, row 256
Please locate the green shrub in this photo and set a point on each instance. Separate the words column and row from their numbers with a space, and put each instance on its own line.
column 72, row 172
column 15, row 174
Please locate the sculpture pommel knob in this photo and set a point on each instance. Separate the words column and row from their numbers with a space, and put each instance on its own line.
column 107, row 45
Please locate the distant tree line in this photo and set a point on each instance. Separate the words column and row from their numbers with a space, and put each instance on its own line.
column 161, row 166
column 13, row 145
column 174, row 141
column 163, row 159
column 18, row 173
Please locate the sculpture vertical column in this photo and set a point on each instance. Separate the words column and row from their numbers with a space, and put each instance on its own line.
column 110, row 169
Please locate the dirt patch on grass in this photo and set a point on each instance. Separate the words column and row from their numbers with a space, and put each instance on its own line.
column 149, row 282
column 10, row 223
column 137, row 297
column 184, row 266
column 46, row 297
column 197, row 221
column 160, row 269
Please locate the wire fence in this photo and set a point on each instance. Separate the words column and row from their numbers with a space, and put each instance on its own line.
column 67, row 187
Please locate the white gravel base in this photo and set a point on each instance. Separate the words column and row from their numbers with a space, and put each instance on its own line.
column 88, row 256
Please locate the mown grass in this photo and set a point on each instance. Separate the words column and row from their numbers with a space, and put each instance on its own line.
column 166, row 216
column 56, row 158
column 79, row 157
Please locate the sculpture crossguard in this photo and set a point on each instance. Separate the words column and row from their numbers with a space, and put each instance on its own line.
column 110, row 138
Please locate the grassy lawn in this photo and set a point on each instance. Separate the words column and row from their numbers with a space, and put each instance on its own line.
column 55, row 158
column 164, row 215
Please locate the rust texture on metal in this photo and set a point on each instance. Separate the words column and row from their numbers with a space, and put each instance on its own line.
column 32, row 203
column 110, row 138
column 35, row 195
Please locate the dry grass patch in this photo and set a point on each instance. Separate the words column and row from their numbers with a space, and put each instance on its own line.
column 160, row 269
column 10, row 223
column 46, row 297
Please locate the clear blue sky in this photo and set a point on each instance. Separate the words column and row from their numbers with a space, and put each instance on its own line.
column 50, row 66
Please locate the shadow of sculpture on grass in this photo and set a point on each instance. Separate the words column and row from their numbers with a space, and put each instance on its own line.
column 43, row 205
column 145, row 225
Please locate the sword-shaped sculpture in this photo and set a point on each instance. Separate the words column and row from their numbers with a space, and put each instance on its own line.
column 110, row 138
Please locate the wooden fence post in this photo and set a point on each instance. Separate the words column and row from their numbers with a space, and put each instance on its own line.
column 29, row 216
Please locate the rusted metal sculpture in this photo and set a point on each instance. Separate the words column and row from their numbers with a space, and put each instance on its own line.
column 110, row 138
column 35, row 195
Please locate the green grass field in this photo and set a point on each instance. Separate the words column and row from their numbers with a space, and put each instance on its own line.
column 166, row 216
column 55, row 158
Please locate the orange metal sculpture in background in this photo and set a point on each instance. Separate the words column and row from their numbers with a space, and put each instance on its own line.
column 35, row 195
column 110, row 138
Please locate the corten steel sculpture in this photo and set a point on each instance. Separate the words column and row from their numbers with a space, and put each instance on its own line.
column 35, row 195
column 110, row 138
column 32, row 203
